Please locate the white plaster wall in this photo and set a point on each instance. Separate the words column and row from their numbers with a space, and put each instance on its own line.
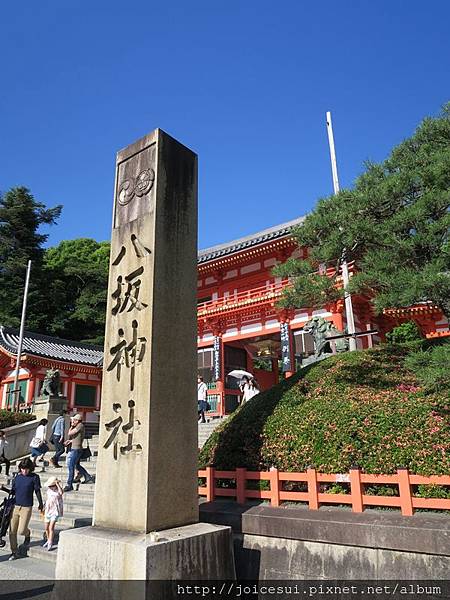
column 230, row 332
column 250, row 268
column 230, row 274
column 22, row 371
column 251, row 328
column 270, row 262
column 272, row 324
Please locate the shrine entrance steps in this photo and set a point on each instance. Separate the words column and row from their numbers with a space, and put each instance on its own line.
column 206, row 429
column 79, row 504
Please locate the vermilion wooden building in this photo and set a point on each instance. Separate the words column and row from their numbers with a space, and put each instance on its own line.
column 80, row 367
column 239, row 327
column 239, row 323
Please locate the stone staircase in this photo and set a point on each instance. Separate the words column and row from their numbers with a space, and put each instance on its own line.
column 78, row 504
column 206, row 429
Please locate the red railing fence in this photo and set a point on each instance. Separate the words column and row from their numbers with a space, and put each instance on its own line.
column 355, row 480
column 264, row 292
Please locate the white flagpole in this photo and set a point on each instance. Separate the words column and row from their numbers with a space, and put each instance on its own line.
column 345, row 276
column 16, row 389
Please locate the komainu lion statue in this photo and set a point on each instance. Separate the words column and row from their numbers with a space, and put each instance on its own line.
column 51, row 384
column 321, row 330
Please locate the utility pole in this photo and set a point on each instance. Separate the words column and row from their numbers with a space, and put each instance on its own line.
column 345, row 277
column 16, row 389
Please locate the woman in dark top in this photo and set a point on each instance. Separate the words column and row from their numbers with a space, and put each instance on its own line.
column 24, row 485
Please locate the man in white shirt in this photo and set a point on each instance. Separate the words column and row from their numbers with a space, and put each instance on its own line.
column 202, row 393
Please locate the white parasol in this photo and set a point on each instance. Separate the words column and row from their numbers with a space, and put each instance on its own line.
column 239, row 374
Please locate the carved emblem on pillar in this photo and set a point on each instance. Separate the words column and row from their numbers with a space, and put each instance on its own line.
column 141, row 185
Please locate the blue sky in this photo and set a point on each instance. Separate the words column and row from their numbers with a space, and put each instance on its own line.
column 245, row 84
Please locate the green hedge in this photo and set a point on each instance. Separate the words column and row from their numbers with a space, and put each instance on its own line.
column 406, row 332
column 8, row 419
column 361, row 408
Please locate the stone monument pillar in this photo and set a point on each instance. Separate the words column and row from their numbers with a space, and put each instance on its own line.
column 148, row 424
column 147, row 462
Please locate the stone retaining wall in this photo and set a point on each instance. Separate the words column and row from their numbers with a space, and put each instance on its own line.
column 297, row 543
column 19, row 438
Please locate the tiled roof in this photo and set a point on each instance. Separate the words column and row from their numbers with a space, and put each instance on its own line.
column 246, row 242
column 59, row 349
column 51, row 347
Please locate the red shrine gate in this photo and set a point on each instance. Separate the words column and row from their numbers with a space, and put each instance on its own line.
column 239, row 323
column 239, row 327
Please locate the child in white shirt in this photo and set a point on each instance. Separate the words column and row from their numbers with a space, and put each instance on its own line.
column 53, row 509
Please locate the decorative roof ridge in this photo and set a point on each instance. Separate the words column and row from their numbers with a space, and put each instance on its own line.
column 45, row 346
column 46, row 338
column 249, row 240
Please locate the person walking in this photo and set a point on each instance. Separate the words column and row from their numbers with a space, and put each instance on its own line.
column 53, row 509
column 24, row 484
column 3, row 459
column 249, row 388
column 75, row 441
column 38, row 444
column 202, row 394
column 57, row 438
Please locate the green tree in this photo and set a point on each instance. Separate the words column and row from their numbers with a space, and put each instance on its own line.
column 21, row 217
column 394, row 224
column 78, row 274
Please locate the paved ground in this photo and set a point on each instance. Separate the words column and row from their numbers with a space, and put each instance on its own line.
column 29, row 568
column 36, row 572
column 25, row 577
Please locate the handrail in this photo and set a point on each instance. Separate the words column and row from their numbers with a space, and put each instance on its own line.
column 314, row 496
column 264, row 292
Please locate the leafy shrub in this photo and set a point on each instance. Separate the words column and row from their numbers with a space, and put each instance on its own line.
column 432, row 367
column 295, row 486
column 361, row 407
column 261, row 485
column 336, row 489
column 382, row 490
column 432, row 491
column 406, row 332
column 8, row 419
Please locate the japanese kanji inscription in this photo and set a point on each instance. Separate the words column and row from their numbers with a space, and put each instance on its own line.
column 150, row 351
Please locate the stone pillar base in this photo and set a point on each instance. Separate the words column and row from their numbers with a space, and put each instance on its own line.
column 45, row 405
column 49, row 407
column 199, row 552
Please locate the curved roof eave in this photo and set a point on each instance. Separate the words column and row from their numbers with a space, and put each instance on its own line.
column 254, row 239
column 52, row 348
